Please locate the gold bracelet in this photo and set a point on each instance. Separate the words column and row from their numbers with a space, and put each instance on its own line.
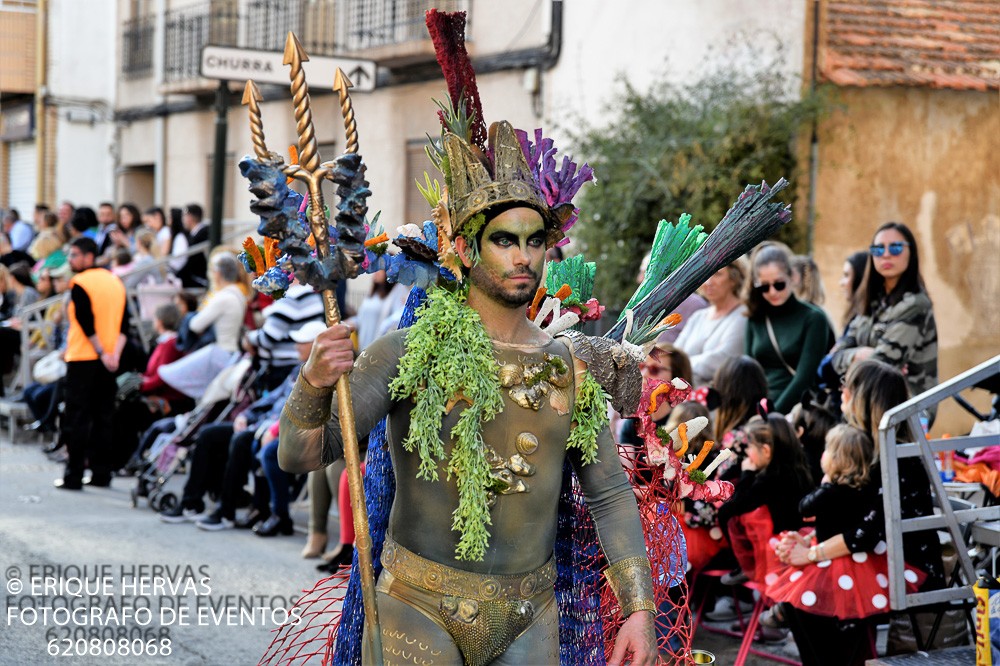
column 308, row 407
column 631, row 580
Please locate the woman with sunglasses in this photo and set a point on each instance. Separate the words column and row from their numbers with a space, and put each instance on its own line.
column 895, row 317
column 785, row 335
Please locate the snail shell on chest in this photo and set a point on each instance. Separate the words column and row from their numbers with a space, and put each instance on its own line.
column 526, row 443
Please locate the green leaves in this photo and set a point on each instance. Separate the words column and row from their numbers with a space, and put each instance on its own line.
column 448, row 355
column 431, row 191
column 590, row 417
column 684, row 148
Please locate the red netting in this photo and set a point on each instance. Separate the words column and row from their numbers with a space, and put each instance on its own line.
column 311, row 639
column 667, row 557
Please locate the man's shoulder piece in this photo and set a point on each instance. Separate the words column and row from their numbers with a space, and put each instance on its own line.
column 611, row 366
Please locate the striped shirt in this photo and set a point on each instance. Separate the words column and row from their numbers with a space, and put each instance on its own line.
column 273, row 342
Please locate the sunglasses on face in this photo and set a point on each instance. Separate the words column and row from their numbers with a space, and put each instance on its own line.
column 895, row 249
column 765, row 287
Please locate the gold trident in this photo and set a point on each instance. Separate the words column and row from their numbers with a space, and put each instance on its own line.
column 310, row 171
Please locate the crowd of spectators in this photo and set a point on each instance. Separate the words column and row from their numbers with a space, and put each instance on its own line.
column 756, row 344
column 805, row 523
column 109, row 406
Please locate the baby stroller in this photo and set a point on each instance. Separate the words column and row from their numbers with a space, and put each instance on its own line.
column 228, row 391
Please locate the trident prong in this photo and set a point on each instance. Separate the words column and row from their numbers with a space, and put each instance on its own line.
column 251, row 98
column 342, row 86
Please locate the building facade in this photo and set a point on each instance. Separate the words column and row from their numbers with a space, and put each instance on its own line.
column 57, row 90
column 913, row 136
column 530, row 57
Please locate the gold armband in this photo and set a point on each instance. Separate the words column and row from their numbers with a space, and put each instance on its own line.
column 308, row 407
column 631, row 580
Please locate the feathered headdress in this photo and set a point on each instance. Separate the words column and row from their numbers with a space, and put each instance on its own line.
column 485, row 170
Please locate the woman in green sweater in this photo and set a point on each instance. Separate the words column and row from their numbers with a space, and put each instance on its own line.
column 785, row 335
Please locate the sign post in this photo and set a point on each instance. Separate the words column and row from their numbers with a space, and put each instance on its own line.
column 226, row 63
column 219, row 162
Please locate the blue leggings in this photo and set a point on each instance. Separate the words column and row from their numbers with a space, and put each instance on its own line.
column 278, row 479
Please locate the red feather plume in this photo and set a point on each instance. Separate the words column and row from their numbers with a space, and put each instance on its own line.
column 447, row 30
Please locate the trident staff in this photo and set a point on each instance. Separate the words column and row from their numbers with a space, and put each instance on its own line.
column 310, row 171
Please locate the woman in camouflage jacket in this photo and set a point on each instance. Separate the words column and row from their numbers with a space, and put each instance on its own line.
column 895, row 323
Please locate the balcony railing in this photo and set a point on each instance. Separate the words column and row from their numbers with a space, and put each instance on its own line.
column 377, row 23
column 137, row 47
column 313, row 22
column 191, row 28
column 325, row 27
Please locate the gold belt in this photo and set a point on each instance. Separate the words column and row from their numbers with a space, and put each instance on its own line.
column 409, row 567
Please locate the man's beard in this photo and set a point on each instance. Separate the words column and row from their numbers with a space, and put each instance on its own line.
column 487, row 282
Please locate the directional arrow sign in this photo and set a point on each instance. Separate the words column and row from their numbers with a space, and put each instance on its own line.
column 232, row 64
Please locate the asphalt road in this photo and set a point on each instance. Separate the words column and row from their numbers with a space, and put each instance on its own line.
column 96, row 539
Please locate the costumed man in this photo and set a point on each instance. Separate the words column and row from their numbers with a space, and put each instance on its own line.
column 493, row 420
column 97, row 328
column 483, row 409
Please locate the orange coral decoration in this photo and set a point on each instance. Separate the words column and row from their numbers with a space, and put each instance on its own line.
column 537, row 302
column 377, row 240
column 271, row 252
column 682, row 432
column 253, row 251
column 662, row 389
column 696, row 463
column 672, row 319
column 293, row 155
column 564, row 292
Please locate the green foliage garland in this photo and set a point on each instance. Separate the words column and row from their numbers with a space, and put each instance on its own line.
column 447, row 354
column 590, row 417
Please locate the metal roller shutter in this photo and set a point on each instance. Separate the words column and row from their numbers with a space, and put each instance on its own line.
column 21, row 178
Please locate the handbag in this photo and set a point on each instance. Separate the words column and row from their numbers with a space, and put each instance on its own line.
column 49, row 368
column 774, row 343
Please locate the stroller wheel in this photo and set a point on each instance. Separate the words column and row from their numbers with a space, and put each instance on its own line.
column 167, row 502
column 154, row 500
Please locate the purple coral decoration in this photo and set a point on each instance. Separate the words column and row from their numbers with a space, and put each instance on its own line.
column 559, row 186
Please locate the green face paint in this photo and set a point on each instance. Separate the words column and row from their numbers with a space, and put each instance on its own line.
column 511, row 255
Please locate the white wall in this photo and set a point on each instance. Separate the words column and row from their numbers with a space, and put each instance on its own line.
column 608, row 43
column 82, row 72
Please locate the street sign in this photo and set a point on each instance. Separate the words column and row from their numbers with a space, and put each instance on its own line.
column 227, row 63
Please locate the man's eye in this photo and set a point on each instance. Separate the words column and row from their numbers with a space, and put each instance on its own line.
column 504, row 242
column 536, row 242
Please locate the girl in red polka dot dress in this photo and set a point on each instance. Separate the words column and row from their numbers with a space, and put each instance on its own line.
column 843, row 587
